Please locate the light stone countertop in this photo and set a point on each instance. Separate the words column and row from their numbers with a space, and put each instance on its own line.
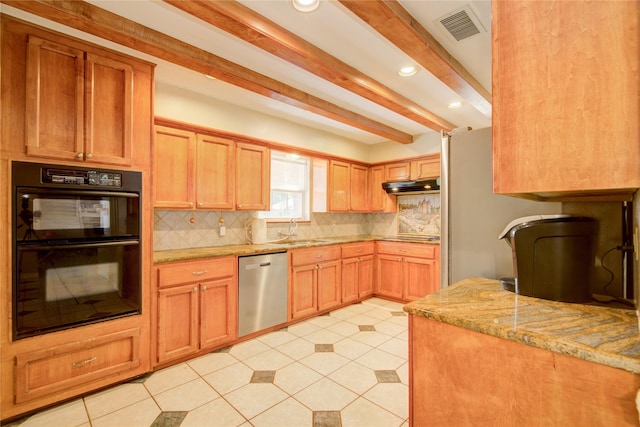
column 604, row 335
column 160, row 257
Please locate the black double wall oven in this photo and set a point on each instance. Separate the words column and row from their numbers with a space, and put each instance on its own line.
column 76, row 246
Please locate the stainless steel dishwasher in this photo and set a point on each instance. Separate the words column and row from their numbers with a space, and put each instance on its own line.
column 262, row 292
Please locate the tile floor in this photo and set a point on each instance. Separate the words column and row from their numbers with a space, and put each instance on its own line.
column 347, row 368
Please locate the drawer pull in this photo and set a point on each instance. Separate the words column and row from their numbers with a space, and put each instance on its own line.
column 199, row 273
column 319, row 256
column 358, row 250
column 84, row 362
column 403, row 250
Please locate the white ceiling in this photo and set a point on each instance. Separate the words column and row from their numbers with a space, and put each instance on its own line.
column 340, row 33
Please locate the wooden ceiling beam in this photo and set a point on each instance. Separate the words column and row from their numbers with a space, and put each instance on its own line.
column 99, row 22
column 390, row 19
column 246, row 24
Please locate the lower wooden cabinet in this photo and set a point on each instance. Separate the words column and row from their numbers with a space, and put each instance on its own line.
column 466, row 378
column 50, row 370
column 197, row 306
column 315, row 280
column 357, row 271
column 407, row 271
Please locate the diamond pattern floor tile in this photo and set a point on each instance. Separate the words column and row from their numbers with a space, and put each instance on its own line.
column 348, row 368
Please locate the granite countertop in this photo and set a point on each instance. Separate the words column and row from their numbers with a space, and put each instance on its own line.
column 160, row 257
column 605, row 335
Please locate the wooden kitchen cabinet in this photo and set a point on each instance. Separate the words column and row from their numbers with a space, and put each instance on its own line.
column 398, row 171
column 428, row 167
column 253, row 177
column 380, row 200
column 173, row 167
column 348, row 187
column 192, row 170
column 357, row 271
column 407, row 271
column 565, row 105
column 79, row 104
column 214, row 172
column 339, row 186
column 73, row 101
column 197, row 305
column 314, row 281
column 485, row 380
column 47, row 371
column 359, row 188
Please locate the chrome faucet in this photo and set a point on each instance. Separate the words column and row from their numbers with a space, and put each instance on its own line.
column 292, row 229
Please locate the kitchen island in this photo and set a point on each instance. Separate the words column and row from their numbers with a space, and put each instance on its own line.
column 480, row 355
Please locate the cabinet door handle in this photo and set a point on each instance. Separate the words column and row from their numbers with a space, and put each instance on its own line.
column 79, row 155
column 204, row 288
column 84, row 362
column 89, row 156
column 400, row 259
column 200, row 204
column 195, row 289
column 199, row 273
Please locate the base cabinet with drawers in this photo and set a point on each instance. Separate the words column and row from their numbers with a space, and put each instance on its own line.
column 197, row 306
column 357, row 271
column 407, row 271
column 314, row 280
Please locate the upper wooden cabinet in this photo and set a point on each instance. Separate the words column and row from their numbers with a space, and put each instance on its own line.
column 73, row 101
column 428, row 167
column 347, row 187
column 398, row 171
column 79, row 105
column 379, row 200
column 173, row 168
column 214, row 172
column 565, row 98
column 253, row 177
column 200, row 171
column 421, row 168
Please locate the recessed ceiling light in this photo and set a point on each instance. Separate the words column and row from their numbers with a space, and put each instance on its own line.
column 306, row 5
column 455, row 104
column 408, row 71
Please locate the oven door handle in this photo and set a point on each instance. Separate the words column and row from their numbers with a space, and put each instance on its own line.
column 86, row 193
column 79, row 245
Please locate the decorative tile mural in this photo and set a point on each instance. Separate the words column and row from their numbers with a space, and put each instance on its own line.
column 419, row 215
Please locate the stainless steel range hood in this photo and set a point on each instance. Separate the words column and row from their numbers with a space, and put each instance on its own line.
column 412, row 187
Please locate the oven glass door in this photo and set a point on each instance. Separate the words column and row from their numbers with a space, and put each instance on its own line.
column 50, row 215
column 61, row 286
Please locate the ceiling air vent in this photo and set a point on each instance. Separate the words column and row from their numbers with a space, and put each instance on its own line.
column 461, row 23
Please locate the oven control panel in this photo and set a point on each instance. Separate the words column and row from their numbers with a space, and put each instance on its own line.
column 82, row 177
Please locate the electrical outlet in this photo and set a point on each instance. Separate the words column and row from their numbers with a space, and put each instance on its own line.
column 223, row 230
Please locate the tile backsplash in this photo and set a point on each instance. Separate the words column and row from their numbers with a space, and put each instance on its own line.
column 193, row 229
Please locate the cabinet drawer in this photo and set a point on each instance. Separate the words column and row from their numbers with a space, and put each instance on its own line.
column 357, row 249
column 195, row 271
column 419, row 250
column 314, row 255
column 51, row 370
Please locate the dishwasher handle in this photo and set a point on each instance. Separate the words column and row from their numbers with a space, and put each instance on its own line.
column 256, row 266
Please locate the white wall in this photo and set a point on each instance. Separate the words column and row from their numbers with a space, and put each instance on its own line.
column 178, row 104
column 189, row 107
column 423, row 144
